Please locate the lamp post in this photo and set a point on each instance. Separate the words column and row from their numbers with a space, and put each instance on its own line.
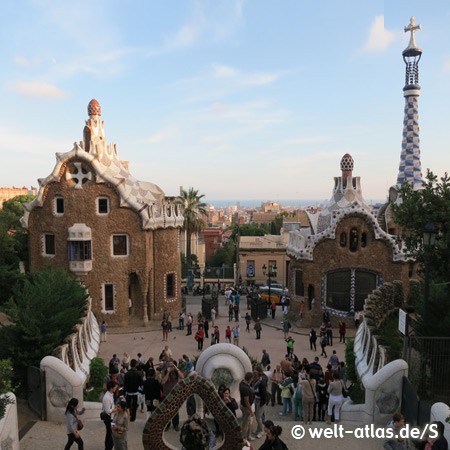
column 429, row 239
column 205, row 269
column 274, row 272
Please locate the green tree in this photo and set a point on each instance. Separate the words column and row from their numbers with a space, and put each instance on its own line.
column 43, row 310
column 247, row 230
column 13, row 238
column 194, row 208
column 225, row 255
column 6, row 373
column 429, row 204
column 10, row 276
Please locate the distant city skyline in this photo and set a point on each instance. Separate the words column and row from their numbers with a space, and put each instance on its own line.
column 235, row 98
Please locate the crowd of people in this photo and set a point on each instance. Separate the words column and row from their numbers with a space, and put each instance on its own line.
column 302, row 390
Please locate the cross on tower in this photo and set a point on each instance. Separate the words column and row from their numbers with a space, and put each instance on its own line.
column 413, row 28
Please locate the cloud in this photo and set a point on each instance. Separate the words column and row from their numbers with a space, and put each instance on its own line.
column 447, row 65
column 218, row 107
column 161, row 135
column 207, row 22
column 38, row 89
column 220, row 71
column 22, row 142
column 379, row 37
column 24, row 62
column 259, row 79
column 307, row 140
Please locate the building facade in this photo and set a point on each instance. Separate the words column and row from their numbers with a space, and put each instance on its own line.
column 344, row 257
column 118, row 235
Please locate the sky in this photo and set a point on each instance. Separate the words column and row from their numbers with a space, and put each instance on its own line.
column 239, row 99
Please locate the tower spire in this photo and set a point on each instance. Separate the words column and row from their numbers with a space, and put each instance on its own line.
column 410, row 169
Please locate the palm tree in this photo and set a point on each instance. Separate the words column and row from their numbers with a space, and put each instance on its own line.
column 194, row 208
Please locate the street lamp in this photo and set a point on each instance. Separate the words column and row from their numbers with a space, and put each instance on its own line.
column 206, row 269
column 429, row 240
column 271, row 272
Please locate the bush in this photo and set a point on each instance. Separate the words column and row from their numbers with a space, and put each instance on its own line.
column 350, row 357
column 97, row 373
column 6, row 372
column 356, row 390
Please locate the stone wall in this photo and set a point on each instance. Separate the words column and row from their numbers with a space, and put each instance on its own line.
column 140, row 274
column 9, row 428
column 328, row 255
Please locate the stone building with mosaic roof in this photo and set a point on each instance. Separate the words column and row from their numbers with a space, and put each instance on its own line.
column 344, row 256
column 350, row 250
column 118, row 235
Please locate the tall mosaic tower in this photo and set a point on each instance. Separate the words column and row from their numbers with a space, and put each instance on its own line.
column 410, row 169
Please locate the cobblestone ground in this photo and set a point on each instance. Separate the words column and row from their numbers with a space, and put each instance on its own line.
column 148, row 341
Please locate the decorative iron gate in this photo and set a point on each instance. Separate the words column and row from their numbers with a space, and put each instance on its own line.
column 428, row 361
column 416, row 412
column 36, row 391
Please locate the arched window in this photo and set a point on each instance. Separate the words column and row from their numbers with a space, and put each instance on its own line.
column 363, row 239
column 354, row 239
column 343, row 239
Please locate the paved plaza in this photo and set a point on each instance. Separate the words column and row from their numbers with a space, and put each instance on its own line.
column 148, row 341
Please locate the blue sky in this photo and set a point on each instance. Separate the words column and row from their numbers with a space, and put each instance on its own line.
column 241, row 99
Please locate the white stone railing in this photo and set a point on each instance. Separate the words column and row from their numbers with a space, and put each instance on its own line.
column 440, row 412
column 9, row 426
column 67, row 372
column 382, row 382
column 82, row 346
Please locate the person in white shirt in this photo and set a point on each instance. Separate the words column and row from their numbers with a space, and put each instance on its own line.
column 107, row 409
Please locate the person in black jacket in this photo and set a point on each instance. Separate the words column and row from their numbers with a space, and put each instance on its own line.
column 132, row 382
column 273, row 441
column 153, row 392
column 439, row 442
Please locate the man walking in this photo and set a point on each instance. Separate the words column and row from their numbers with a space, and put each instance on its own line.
column 107, row 408
column 277, row 378
column 247, row 398
column 169, row 380
column 236, row 332
column 132, row 383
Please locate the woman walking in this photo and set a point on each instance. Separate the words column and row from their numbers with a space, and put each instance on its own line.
column 72, row 424
column 165, row 329
column 312, row 339
column 336, row 398
column 119, row 426
column 258, row 328
column 308, row 398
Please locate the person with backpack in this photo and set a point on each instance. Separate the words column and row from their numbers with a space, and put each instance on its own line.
column 287, row 389
column 259, row 385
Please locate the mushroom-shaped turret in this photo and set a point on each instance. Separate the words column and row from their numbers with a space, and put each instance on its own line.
column 94, row 108
column 347, row 168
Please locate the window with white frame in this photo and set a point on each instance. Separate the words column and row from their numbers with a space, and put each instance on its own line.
column 120, row 245
column 108, row 296
column 59, row 206
column 170, row 285
column 103, row 205
column 80, row 250
column 49, row 244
